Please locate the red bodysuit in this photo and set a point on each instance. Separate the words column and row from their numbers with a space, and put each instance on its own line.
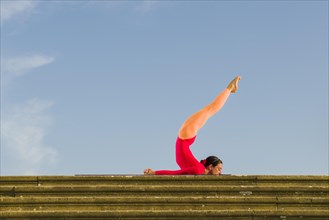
column 185, row 160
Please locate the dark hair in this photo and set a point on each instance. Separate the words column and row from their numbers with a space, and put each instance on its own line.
column 213, row 160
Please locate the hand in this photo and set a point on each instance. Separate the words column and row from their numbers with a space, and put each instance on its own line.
column 149, row 171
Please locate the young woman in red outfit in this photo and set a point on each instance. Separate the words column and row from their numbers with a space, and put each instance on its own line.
column 186, row 161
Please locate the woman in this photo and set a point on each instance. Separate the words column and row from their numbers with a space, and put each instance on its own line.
column 187, row 134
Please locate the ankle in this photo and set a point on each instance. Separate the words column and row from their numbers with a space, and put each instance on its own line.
column 233, row 86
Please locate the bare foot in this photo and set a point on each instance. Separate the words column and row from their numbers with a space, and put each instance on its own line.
column 233, row 86
column 149, row 171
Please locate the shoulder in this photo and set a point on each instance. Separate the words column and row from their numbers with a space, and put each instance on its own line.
column 200, row 169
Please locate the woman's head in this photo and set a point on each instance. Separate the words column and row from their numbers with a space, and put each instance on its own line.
column 213, row 165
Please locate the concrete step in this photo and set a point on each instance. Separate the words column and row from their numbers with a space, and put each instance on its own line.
column 165, row 197
column 165, row 180
column 168, row 214
column 208, row 203
column 163, row 190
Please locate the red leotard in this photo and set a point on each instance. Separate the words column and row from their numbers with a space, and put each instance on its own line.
column 185, row 160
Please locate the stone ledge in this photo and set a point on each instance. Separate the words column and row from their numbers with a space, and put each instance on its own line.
column 168, row 214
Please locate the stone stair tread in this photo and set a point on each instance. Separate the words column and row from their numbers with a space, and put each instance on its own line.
column 165, row 197
column 166, row 187
column 150, row 213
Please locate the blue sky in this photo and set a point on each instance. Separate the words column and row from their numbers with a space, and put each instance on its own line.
column 102, row 87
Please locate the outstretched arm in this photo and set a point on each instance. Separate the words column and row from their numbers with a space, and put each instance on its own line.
column 186, row 171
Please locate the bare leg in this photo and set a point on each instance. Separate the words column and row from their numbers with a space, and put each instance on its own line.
column 193, row 124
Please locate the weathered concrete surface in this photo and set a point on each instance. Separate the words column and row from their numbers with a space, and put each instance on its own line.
column 164, row 197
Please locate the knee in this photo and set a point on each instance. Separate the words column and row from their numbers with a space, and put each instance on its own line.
column 187, row 132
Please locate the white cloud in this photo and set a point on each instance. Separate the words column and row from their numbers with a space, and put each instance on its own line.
column 20, row 65
column 147, row 5
column 138, row 6
column 10, row 9
column 23, row 129
column 24, row 126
